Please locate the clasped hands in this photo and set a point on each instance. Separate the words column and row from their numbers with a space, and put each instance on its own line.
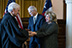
column 31, row 33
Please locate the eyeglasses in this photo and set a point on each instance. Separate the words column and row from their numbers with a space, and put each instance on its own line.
column 31, row 11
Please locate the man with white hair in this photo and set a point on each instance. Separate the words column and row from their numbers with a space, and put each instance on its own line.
column 11, row 35
column 35, row 22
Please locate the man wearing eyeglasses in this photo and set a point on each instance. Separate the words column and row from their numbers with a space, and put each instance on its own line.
column 35, row 22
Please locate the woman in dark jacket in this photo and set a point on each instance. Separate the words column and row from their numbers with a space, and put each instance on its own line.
column 48, row 33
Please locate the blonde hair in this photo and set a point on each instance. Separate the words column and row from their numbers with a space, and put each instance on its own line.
column 52, row 16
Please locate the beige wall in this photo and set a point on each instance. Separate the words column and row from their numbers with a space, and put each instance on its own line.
column 58, row 8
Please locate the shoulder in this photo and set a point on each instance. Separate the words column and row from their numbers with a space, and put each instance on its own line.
column 31, row 17
column 40, row 16
column 55, row 24
column 5, row 18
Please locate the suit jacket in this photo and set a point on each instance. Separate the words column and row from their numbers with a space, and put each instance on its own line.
column 11, row 35
column 35, row 27
column 48, row 35
column 0, row 36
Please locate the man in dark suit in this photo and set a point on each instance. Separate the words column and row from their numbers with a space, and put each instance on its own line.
column 35, row 22
column 48, row 33
column 11, row 35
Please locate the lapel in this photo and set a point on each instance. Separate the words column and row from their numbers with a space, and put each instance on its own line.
column 37, row 19
column 32, row 21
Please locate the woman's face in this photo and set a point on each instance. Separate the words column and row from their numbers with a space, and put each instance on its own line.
column 47, row 18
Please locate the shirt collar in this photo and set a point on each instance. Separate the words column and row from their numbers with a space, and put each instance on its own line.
column 11, row 14
column 36, row 15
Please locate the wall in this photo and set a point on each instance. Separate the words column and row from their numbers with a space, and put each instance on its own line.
column 39, row 4
column 58, row 8
column 24, row 4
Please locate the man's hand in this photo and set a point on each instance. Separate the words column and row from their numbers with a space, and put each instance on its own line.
column 27, row 29
column 29, row 32
column 32, row 33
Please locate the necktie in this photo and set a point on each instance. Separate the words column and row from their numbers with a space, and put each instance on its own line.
column 19, row 22
column 34, row 19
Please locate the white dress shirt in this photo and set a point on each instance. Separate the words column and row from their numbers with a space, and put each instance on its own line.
column 34, row 18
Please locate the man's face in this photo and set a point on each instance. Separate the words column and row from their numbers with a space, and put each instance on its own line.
column 16, row 11
column 31, row 12
column 47, row 18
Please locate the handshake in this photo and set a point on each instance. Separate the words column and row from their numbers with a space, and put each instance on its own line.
column 32, row 33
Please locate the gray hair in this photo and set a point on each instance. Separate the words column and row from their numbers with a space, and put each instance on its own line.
column 52, row 16
column 12, row 6
column 32, row 8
